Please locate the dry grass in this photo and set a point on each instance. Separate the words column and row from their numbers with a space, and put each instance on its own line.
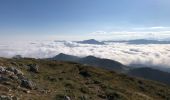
column 59, row 79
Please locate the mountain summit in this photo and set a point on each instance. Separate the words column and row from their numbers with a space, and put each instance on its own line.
column 91, row 41
column 93, row 61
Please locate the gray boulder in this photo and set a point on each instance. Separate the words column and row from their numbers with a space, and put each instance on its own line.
column 4, row 97
column 2, row 69
column 33, row 68
column 27, row 84
column 4, row 78
column 13, row 77
column 9, row 73
column 67, row 98
column 15, row 70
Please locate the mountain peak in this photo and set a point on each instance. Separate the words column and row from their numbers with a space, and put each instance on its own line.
column 91, row 41
column 65, row 57
column 62, row 54
column 90, row 56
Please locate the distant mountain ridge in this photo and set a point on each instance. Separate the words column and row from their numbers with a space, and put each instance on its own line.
column 64, row 57
column 91, row 41
column 142, row 72
column 91, row 60
column 151, row 74
column 145, row 41
column 142, row 41
column 159, row 67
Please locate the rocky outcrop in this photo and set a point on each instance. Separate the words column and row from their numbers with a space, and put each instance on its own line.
column 15, row 70
column 2, row 69
column 27, row 84
column 11, row 75
column 33, row 68
column 5, row 97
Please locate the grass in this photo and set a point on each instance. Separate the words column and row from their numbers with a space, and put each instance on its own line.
column 56, row 80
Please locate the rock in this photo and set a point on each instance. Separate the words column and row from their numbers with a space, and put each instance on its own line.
column 14, row 77
column 4, row 78
column 67, row 98
column 27, row 84
column 9, row 73
column 12, row 69
column 21, row 77
column 83, row 98
column 25, row 90
column 4, row 97
column 17, row 57
column 15, row 70
column 33, row 68
column 15, row 98
column 2, row 69
column 85, row 73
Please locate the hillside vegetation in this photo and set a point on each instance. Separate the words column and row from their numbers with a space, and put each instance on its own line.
column 38, row 79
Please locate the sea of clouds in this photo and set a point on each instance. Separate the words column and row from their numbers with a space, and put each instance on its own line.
column 150, row 54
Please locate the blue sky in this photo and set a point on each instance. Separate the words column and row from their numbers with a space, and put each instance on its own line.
column 83, row 19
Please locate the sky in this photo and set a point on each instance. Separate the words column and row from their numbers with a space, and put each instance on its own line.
column 84, row 19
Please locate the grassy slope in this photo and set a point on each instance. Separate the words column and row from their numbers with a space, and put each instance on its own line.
column 57, row 79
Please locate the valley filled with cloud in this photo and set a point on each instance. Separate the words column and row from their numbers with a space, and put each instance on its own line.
column 147, row 54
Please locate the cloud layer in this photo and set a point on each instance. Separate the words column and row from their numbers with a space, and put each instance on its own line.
column 152, row 54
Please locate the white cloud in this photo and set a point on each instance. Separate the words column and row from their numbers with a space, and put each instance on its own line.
column 152, row 54
column 99, row 33
column 157, row 32
column 154, row 28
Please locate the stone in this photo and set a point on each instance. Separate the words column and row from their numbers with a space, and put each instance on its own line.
column 25, row 90
column 83, row 98
column 85, row 74
column 4, row 78
column 33, row 68
column 15, row 98
column 27, row 84
column 14, row 77
column 21, row 77
column 4, row 97
column 67, row 98
column 9, row 73
column 15, row 70
column 2, row 69
column 12, row 69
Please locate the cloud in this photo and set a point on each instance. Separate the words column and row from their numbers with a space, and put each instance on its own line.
column 157, row 32
column 154, row 28
column 99, row 33
column 152, row 54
